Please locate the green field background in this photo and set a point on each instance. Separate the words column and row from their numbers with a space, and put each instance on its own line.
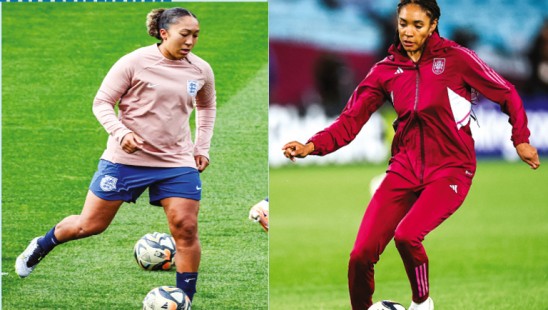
column 54, row 57
column 491, row 254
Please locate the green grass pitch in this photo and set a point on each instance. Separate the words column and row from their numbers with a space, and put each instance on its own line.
column 55, row 56
column 491, row 254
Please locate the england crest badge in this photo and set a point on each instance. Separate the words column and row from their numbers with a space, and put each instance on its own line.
column 438, row 65
column 192, row 87
column 108, row 183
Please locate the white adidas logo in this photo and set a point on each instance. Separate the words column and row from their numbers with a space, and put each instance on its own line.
column 453, row 187
column 398, row 71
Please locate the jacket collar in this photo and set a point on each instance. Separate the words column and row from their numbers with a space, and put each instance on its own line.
column 434, row 45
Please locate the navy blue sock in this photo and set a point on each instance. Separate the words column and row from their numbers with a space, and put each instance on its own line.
column 187, row 282
column 48, row 242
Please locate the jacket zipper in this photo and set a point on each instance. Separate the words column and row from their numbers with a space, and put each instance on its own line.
column 419, row 121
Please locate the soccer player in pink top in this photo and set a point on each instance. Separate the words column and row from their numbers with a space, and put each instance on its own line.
column 431, row 83
column 149, row 146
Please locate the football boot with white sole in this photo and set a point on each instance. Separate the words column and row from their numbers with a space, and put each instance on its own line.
column 31, row 256
column 425, row 305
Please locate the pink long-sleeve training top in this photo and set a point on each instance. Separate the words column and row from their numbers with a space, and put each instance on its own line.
column 156, row 97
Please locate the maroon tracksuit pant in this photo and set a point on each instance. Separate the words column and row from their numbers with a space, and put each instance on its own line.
column 406, row 211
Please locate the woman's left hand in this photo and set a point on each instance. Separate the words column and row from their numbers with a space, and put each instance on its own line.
column 201, row 162
column 528, row 154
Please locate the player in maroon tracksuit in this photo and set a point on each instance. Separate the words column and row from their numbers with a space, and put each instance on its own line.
column 431, row 83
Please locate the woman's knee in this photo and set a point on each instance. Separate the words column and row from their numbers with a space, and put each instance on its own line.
column 365, row 254
column 185, row 229
column 405, row 239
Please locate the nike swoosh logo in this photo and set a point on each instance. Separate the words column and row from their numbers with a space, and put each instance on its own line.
column 198, row 188
column 188, row 280
column 152, row 85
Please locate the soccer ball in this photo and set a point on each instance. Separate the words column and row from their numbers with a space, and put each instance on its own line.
column 166, row 298
column 155, row 251
column 259, row 213
column 386, row 305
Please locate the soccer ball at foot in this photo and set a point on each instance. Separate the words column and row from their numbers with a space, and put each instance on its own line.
column 166, row 298
column 386, row 305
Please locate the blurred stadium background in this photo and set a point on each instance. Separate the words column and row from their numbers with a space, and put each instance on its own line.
column 321, row 49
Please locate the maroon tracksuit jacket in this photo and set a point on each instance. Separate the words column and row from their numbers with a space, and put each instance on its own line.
column 433, row 159
column 433, row 101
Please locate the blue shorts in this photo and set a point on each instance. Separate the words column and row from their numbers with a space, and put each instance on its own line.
column 127, row 183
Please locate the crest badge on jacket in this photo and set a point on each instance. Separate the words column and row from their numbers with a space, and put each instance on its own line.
column 438, row 65
column 192, row 87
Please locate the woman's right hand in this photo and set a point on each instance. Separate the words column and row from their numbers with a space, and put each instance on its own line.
column 296, row 149
column 131, row 143
column 528, row 154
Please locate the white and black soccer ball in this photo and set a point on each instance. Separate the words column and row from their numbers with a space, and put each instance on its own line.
column 386, row 305
column 166, row 298
column 155, row 251
column 259, row 213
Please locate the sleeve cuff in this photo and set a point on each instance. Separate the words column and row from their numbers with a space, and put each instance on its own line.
column 201, row 153
column 121, row 134
column 519, row 140
column 316, row 151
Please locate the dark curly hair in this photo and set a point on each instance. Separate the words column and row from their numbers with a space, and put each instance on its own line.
column 162, row 18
